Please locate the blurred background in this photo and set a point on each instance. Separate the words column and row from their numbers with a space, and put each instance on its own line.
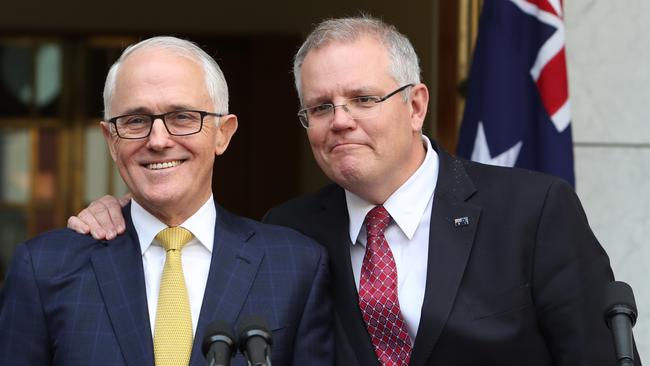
column 54, row 57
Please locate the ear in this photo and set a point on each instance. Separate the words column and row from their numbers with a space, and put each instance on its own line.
column 225, row 131
column 419, row 102
column 110, row 137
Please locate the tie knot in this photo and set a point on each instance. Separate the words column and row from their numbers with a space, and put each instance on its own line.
column 174, row 238
column 377, row 220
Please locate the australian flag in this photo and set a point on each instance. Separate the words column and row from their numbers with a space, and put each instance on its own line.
column 517, row 111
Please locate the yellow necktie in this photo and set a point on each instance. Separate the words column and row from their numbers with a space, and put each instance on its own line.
column 172, row 341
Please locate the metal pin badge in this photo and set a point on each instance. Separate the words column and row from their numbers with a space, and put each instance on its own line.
column 461, row 221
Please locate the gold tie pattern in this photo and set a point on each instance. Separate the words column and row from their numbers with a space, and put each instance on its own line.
column 172, row 341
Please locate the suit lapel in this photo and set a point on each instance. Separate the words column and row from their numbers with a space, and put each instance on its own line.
column 332, row 229
column 450, row 244
column 118, row 268
column 232, row 272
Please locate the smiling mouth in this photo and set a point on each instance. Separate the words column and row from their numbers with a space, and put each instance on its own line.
column 165, row 165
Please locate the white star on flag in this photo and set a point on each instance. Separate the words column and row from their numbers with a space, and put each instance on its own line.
column 481, row 151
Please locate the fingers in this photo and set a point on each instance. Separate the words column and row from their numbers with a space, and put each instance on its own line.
column 89, row 216
column 102, row 219
column 78, row 225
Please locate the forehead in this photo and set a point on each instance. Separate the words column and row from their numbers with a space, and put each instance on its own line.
column 157, row 77
column 339, row 67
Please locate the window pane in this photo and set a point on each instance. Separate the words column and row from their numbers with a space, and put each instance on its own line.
column 16, row 91
column 14, row 166
column 13, row 230
column 46, row 172
column 99, row 169
column 48, row 79
column 95, row 165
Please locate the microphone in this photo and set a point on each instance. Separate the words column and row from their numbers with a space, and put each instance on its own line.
column 255, row 341
column 620, row 316
column 219, row 343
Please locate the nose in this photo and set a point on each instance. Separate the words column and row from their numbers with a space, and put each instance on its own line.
column 159, row 137
column 341, row 118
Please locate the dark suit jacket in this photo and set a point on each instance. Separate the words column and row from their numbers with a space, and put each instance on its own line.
column 519, row 285
column 71, row 300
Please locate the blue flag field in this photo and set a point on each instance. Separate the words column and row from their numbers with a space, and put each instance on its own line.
column 517, row 111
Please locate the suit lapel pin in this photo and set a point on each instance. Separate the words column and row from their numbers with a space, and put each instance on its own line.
column 461, row 221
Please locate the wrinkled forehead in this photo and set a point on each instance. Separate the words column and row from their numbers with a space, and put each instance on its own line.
column 158, row 77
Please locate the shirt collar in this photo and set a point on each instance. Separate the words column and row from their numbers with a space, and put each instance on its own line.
column 201, row 224
column 407, row 204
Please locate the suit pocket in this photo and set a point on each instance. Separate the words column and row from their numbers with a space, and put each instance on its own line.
column 504, row 302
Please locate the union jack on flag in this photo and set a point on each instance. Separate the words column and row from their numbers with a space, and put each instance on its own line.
column 517, row 111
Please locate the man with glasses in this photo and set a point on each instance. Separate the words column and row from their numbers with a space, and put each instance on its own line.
column 148, row 295
column 435, row 260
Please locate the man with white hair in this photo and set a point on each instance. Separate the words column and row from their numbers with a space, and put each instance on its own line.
column 183, row 262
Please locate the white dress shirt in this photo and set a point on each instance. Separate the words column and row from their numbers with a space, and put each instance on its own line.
column 195, row 256
column 407, row 235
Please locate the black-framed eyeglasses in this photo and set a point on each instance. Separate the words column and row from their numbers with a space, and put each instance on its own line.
column 177, row 123
column 366, row 106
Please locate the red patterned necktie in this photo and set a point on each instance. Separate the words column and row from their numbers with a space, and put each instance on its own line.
column 378, row 295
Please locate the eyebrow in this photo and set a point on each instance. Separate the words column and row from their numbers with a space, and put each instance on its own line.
column 144, row 110
column 356, row 92
column 364, row 90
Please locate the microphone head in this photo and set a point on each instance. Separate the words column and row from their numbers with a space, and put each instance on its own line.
column 253, row 326
column 218, row 331
column 619, row 299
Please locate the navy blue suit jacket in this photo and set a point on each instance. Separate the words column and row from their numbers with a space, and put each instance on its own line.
column 71, row 300
column 516, row 280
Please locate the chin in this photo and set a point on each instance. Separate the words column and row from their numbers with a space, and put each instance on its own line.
column 348, row 176
column 160, row 197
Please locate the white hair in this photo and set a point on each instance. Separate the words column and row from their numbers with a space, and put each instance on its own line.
column 214, row 79
column 404, row 64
